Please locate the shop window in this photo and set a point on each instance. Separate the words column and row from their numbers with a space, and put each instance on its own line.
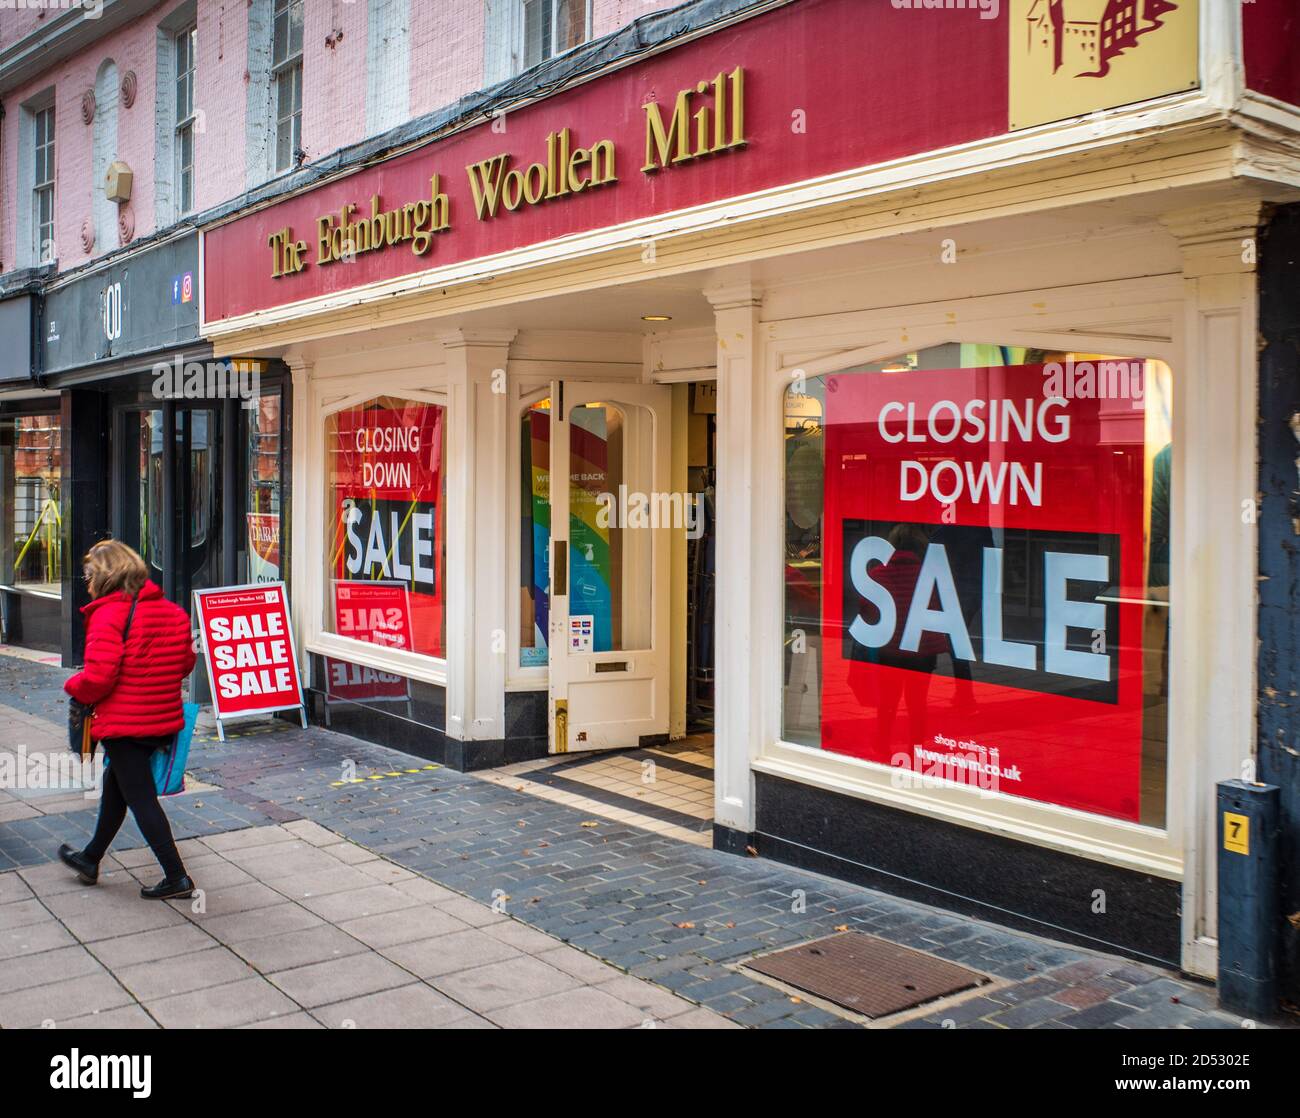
column 30, row 464
column 262, row 489
column 385, row 531
column 977, row 546
column 534, row 534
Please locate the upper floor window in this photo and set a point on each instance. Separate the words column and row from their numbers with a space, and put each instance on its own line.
column 551, row 27
column 286, row 80
column 185, row 44
column 43, row 185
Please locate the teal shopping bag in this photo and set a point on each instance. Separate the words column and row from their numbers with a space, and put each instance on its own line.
column 169, row 764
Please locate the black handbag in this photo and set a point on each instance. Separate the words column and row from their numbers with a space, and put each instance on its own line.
column 79, row 713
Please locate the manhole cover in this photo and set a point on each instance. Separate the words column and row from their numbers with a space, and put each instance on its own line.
column 868, row 975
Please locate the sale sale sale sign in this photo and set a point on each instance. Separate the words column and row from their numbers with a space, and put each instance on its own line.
column 984, row 580
column 386, row 485
column 249, row 650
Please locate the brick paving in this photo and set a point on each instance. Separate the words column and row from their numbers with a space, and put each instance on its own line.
column 656, row 909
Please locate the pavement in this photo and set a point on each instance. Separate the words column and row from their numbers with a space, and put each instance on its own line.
column 344, row 884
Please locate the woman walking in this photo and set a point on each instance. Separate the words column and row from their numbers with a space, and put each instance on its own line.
column 138, row 651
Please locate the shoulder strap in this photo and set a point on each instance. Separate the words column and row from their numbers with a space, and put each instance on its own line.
column 126, row 629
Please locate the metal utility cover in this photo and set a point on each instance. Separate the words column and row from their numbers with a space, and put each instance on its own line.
column 866, row 974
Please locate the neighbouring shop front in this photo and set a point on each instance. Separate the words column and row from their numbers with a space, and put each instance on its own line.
column 30, row 477
column 899, row 452
column 141, row 435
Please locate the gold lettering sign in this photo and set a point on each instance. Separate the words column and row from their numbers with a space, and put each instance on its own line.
column 706, row 119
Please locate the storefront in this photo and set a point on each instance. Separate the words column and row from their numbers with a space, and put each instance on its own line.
column 30, row 478
column 963, row 364
column 141, row 435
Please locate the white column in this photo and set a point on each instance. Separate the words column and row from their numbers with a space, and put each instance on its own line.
column 478, row 437
column 1213, row 547
column 306, row 477
column 743, row 506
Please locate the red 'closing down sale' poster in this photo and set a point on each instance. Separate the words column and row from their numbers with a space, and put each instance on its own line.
column 983, row 576
column 387, row 484
column 248, row 646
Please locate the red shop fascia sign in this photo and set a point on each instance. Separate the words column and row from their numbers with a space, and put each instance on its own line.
column 810, row 90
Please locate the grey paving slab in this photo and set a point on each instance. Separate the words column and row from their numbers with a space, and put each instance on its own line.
column 141, row 947
column 403, row 925
column 582, row 1008
column 415, row 1006
column 62, row 1000
column 179, row 974
column 335, row 980
column 219, row 1007
column 25, row 971
column 446, row 954
column 296, row 949
column 508, row 982
column 273, row 920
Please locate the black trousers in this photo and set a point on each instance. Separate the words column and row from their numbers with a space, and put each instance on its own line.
column 128, row 782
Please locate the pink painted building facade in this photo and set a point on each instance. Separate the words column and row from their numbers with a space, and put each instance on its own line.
column 112, row 82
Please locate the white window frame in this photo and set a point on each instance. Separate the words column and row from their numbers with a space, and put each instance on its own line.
column 1157, row 851
column 183, row 126
column 520, row 44
column 43, row 247
column 316, row 638
column 286, row 69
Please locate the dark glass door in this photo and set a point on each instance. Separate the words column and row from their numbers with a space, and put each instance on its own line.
column 171, row 512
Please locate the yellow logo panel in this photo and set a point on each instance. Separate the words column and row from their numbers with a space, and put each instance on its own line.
column 1073, row 57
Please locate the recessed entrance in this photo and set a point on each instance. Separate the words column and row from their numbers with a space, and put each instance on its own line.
column 617, row 589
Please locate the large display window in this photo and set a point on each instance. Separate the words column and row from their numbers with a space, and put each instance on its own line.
column 385, row 530
column 977, row 572
column 30, row 495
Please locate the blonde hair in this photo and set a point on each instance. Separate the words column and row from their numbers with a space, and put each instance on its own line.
column 110, row 566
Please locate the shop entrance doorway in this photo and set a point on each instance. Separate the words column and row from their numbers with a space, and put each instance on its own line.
column 618, row 601
column 609, row 566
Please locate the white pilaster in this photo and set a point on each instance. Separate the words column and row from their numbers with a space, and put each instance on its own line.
column 1214, row 545
column 475, row 593
column 741, row 585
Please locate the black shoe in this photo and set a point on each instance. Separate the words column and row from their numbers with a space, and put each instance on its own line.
column 168, row 888
column 87, row 871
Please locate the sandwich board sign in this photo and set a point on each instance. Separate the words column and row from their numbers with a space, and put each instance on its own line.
column 249, row 651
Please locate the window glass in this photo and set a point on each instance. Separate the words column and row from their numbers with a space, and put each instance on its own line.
column 386, row 529
column 286, row 62
column 262, row 482
column 33, row 514
column 611, row 486
column 551, row 27
column 185, row 52
column 534, row 534
column 977, row 572
column 43, row 186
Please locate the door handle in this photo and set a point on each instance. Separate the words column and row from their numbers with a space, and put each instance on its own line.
column 560, row 568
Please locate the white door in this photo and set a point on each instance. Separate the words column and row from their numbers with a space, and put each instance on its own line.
column 609, row 565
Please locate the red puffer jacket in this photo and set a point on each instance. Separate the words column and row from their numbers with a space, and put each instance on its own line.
column 136, row 692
